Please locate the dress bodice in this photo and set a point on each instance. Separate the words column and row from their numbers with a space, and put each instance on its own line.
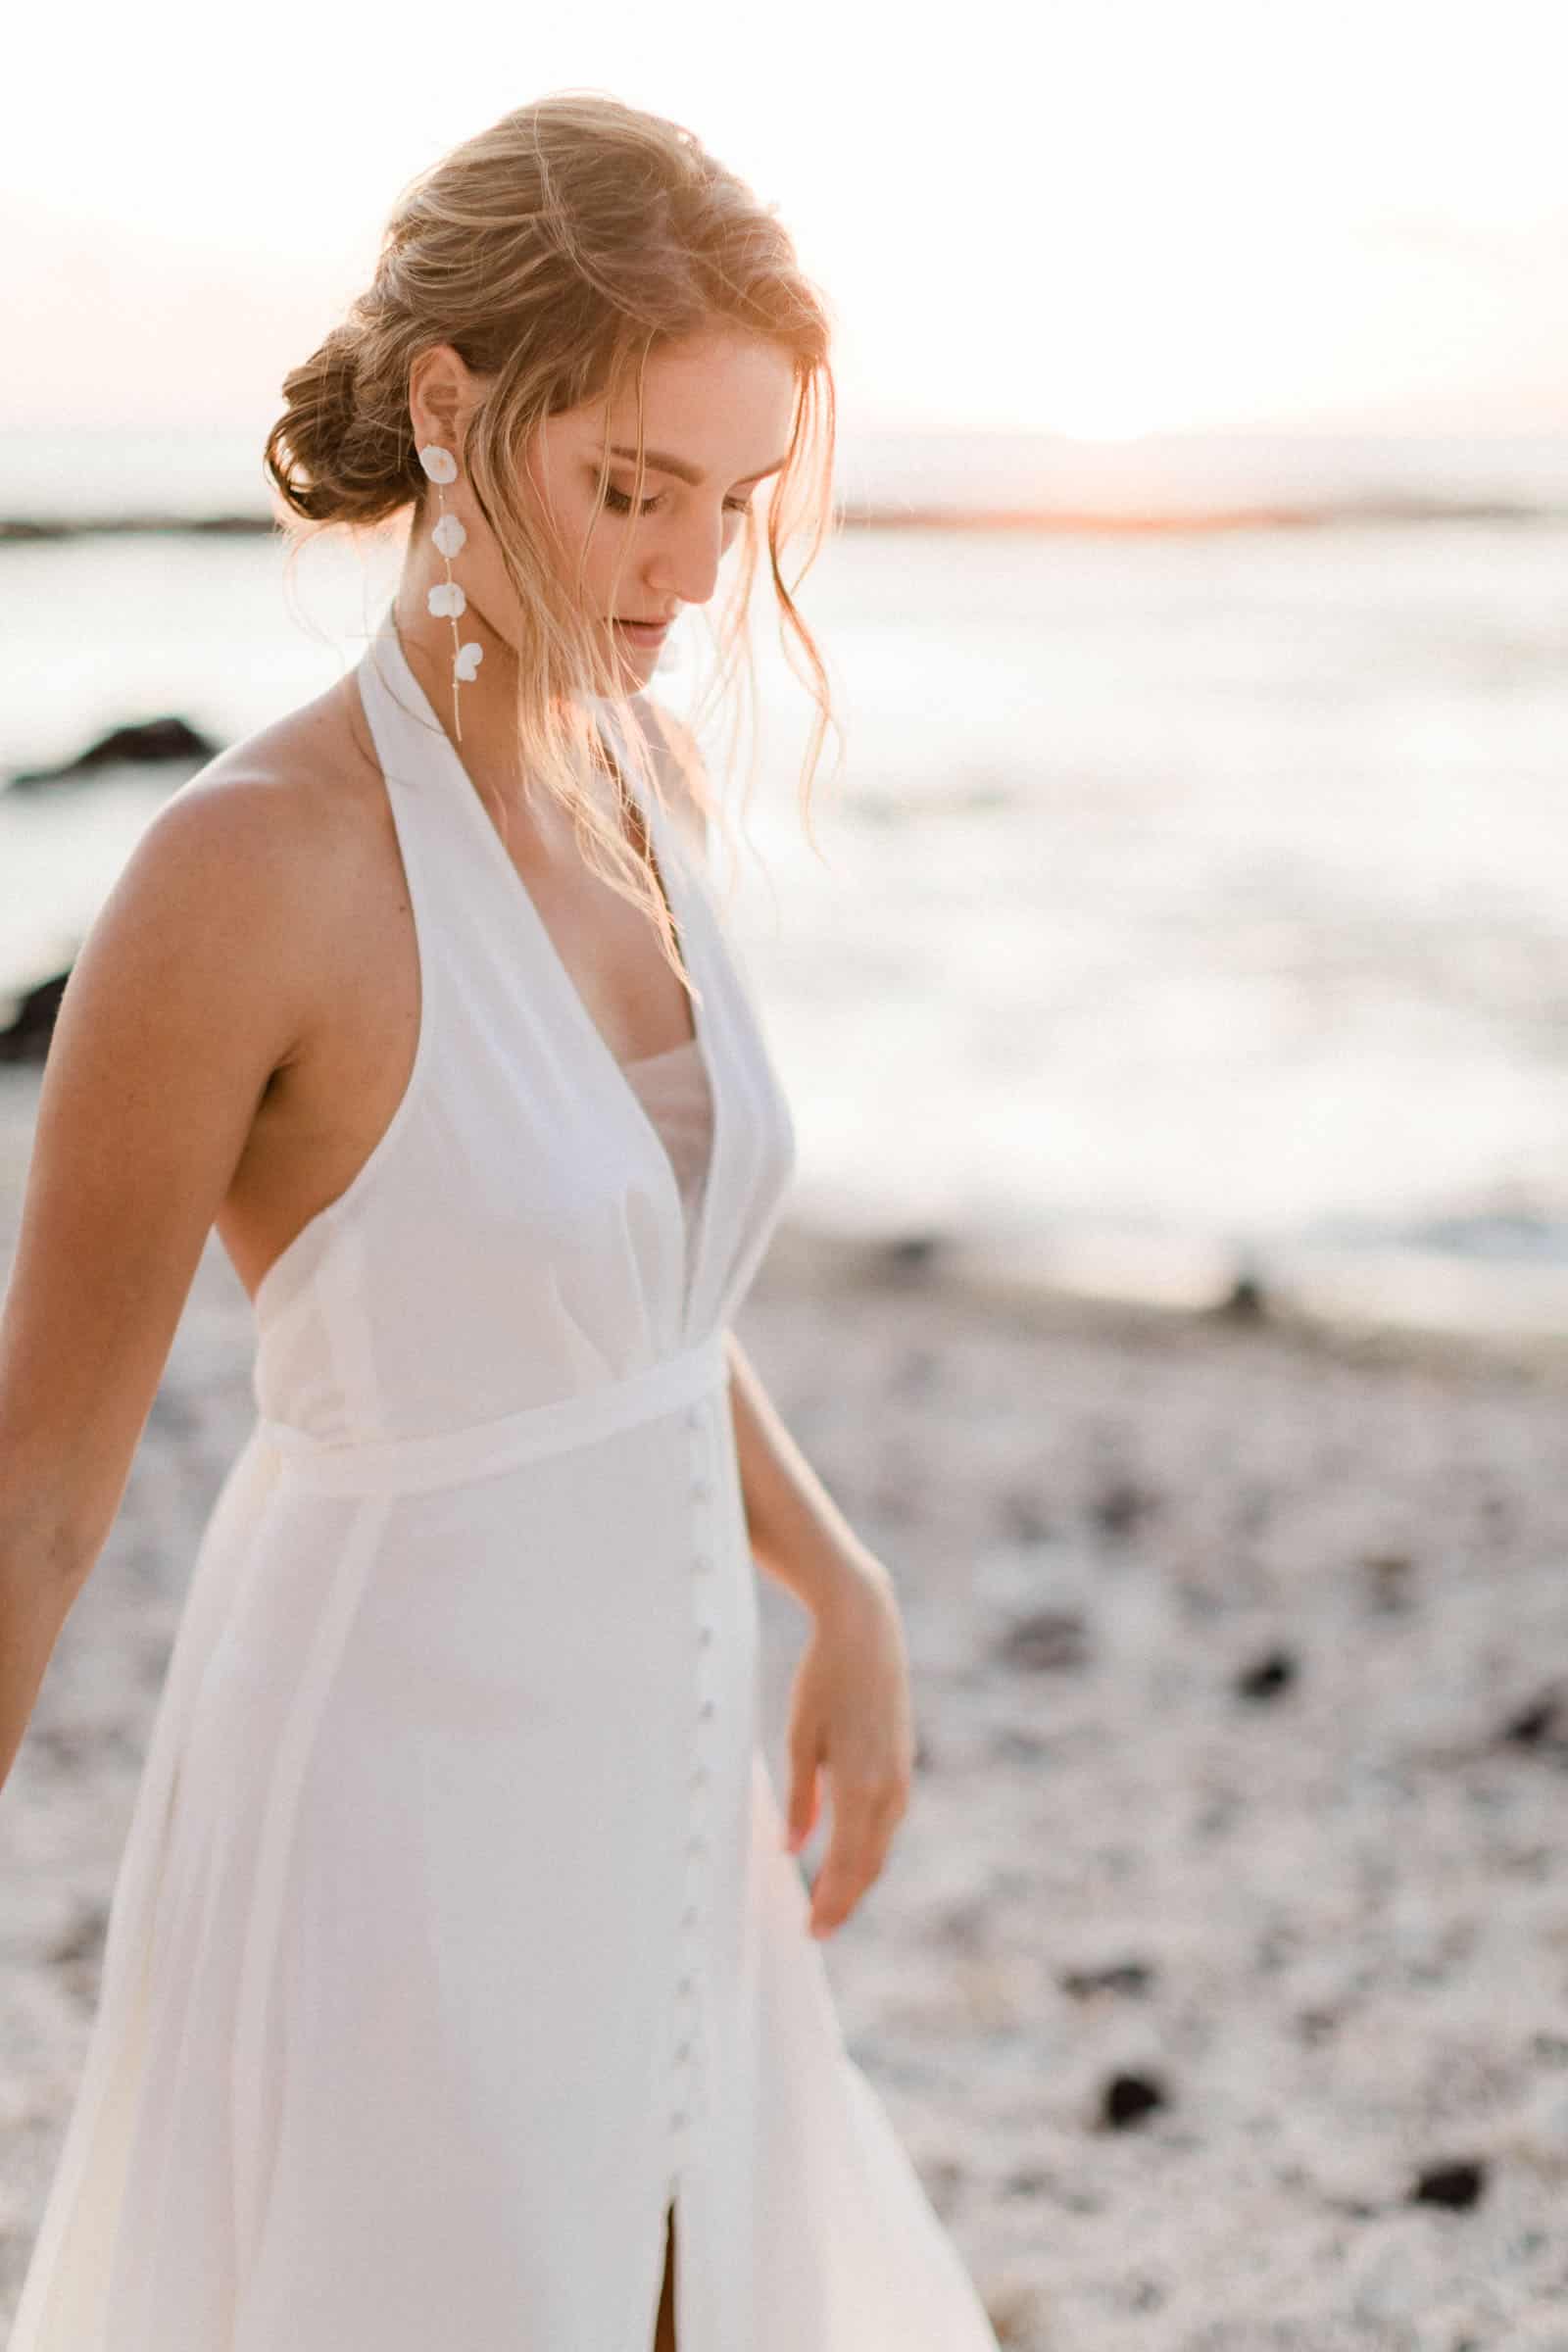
column 538, row 1218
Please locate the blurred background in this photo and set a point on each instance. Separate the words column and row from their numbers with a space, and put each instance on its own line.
column 1191, row 930
column 1197, row 622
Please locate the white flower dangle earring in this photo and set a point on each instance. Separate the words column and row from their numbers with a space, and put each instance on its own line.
column 447, row 601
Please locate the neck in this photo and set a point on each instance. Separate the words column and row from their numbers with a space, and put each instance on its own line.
column 486, row 748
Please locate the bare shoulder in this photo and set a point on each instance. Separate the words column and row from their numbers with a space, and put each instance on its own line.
column 233, row 916
column 299, row 791
column 268, row 833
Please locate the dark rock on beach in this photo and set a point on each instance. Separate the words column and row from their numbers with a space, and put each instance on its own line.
column 146, row 743
column 1127, row 2098
column 1542, row 1723
column 1268, row 1675
column 1456, row 2187
column 33, row 1024
column 1119, row 1975
column 1046, row 1640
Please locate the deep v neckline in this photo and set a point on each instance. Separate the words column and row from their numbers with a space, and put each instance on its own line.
column 671, row 881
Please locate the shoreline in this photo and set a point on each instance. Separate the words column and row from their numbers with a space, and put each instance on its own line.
column 1373, row 510
column 1401, row 1304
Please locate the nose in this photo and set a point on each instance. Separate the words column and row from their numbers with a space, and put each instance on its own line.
column 684, row 569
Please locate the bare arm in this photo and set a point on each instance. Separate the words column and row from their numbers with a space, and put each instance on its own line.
column 185, row 997
column 798, row 1532
column 852, row 1711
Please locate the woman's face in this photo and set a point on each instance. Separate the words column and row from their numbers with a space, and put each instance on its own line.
column 717, row 416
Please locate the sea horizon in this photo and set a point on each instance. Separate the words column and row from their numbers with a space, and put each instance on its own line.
column 62, row 483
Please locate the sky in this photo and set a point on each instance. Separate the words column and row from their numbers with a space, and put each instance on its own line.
column 1099, row 218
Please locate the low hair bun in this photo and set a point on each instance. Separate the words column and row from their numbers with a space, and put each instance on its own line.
column 341, row 452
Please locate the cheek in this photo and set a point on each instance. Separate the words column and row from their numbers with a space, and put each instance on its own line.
column 564, row 506
column 579, row 541
column 609, row 548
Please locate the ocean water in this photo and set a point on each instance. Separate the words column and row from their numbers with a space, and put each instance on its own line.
column 1210, row 884
column 70, row 476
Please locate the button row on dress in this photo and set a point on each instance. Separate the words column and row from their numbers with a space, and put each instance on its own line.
column 700, row 1492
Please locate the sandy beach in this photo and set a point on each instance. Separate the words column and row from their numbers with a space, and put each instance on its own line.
column 1218, row 1979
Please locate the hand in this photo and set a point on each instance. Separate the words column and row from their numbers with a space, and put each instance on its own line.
column 851, row 1715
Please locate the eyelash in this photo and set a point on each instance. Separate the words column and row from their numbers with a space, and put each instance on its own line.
column 619, row 502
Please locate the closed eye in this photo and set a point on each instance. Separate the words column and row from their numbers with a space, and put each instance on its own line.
column 619, row 502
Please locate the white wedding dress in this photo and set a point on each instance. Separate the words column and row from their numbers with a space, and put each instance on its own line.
column 454, row 1939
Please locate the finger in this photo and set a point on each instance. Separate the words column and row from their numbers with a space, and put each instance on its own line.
column 801, row 1816
column 855, row 1859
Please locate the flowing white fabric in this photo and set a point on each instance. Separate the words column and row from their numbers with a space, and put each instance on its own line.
column 453, row 1938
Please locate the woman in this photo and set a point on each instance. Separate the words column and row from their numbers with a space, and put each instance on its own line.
column 459, row 1987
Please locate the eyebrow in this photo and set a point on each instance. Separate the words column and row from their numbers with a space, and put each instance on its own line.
column 660, row 460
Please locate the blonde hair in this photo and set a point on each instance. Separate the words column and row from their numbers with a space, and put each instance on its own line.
column 554, row 251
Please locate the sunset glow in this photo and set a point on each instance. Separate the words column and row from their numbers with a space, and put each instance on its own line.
column 1095, row 220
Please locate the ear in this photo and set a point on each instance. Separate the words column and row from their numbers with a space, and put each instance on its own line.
column 443, row 392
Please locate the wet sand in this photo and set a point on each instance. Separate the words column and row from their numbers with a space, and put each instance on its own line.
column 1218, row 1978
